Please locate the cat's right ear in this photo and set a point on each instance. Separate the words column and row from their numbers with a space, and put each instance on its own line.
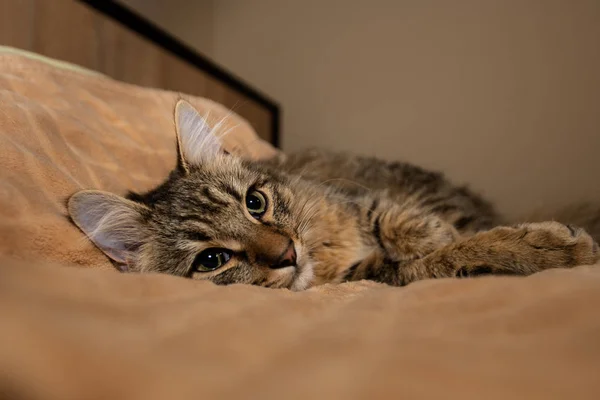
column 113, row 223
column 196, row 142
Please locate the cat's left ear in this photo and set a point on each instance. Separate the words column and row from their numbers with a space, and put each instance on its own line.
column 196, row 142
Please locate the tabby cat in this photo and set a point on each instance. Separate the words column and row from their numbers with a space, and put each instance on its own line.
column 310, row 219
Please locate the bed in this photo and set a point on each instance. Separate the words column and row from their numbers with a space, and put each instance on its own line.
column 74, row 327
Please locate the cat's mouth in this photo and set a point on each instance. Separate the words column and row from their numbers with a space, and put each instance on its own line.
column 303, row 271
column 302, row 279
column 295, row 276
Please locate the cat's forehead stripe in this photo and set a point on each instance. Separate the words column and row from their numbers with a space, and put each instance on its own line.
column 229, row 189
column 213, row 196
column 193, row 219
column 196, row 225
column 197, row 236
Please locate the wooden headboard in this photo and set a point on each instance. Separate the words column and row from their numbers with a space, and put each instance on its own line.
column 105, row 36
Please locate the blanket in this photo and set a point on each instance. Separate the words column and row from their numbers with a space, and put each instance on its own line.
column 74, row 328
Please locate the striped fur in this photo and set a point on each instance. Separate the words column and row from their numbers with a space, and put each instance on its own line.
column 347, row 218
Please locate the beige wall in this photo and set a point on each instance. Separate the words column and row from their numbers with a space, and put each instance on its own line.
column 503, row 95
column 189, row 20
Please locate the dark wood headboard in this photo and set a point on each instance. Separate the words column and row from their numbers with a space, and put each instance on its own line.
column 105, row 36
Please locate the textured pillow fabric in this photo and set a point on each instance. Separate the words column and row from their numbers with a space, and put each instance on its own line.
column 81, row 333
column 62, row 130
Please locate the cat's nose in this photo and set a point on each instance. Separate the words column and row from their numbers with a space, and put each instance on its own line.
column 288, row 258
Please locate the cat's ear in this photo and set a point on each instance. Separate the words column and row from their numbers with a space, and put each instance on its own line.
column 196, row 143
column 113, row 223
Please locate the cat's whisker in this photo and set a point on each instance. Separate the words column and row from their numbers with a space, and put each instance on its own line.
column 346, row 180
column 228, row 131
column 221, row 123
column 307, row 214
column 223, row 120
column 311, row 214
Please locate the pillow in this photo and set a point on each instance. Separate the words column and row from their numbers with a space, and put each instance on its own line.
column 64, row 128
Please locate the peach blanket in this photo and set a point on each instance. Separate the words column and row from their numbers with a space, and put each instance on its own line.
column 86, row 333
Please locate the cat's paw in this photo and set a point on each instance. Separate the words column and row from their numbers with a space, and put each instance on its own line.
column 528, row 248
column 568, row 244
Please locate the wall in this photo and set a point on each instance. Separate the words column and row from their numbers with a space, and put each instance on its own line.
column 503, row 95
column 189, row 20
column 95, row 41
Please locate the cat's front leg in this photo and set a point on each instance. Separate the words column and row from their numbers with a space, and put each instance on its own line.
column 405, row 233
column 519, row 250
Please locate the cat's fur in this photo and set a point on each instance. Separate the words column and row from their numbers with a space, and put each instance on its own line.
column 329, row 218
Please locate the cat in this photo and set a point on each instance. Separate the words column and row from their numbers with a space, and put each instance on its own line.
column 312, row 218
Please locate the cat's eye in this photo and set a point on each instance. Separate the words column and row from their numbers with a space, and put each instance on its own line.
column 256, row 203
column 211, row 259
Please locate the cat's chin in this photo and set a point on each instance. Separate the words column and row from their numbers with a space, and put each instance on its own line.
column 303, row 276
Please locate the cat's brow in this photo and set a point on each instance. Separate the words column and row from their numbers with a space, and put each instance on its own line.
column 230, row 190
column 195, row 202
column 196, row 226
column 193, row 219
column 197, row 236
column 213, row 197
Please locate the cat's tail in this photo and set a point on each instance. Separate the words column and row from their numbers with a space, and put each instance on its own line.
column 583, row 215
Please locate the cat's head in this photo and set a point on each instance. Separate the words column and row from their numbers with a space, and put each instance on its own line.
column 216, row 217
